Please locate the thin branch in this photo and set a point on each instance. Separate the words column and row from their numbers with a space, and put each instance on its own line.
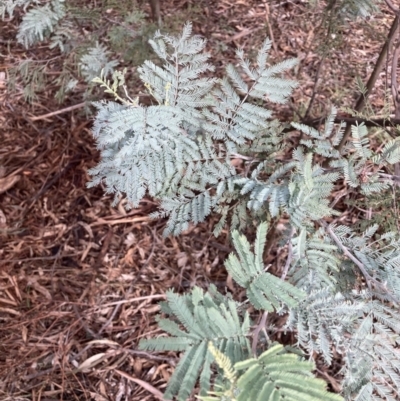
column 369, row 122
column 289, row 257
column 248, row 158
column 393, row 83
column 270, row 31
column 55, row 113
column 314, row 91
column 157, row 393
column 392, row 7
column 372, row 79
column 359, row 264
column 131, row 300
column 392, row 177
column 379, row 121
column 256, row 333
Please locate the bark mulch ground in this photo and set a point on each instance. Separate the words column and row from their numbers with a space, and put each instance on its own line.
column 79, row 279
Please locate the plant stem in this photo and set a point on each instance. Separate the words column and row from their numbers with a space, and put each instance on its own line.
column 372, row 79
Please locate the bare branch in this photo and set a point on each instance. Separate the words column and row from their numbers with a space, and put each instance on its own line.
column 55, row 113
column 374, row 76
column 289, row 257
column 256, row 333
column 392, row 7
column 393, row 84
column 380, row 122
column 360, row 265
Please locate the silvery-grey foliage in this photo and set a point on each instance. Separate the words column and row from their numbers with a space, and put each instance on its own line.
column 338, row 287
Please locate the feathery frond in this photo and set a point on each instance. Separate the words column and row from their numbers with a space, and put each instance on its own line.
column 204, row 317
column 39, row 22
column 264, row 290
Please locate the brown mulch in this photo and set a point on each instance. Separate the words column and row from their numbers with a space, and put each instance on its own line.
column 79, row 279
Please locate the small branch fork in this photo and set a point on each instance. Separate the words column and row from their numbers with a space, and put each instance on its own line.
column 329, row 230
column 375, row 73
column 368, row 278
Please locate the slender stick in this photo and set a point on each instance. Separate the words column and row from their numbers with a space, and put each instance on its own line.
column 314, row 91
column 360, row 265
column 393, row 84
column 55, row 113
column 392, row 7
column 290, row 256
column 151, row 389
column 256, row 333
column 372, row 79
column 379, row 122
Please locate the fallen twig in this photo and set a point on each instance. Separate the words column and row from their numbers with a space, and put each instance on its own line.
column 158, row 394
column 55, row 113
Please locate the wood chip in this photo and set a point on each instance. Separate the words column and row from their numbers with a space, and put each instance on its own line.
column 8, row 182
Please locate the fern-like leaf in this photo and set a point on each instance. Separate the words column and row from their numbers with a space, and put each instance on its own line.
column 205, row 317
column 278, row 375
column 264, row 290
column 39, row 22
